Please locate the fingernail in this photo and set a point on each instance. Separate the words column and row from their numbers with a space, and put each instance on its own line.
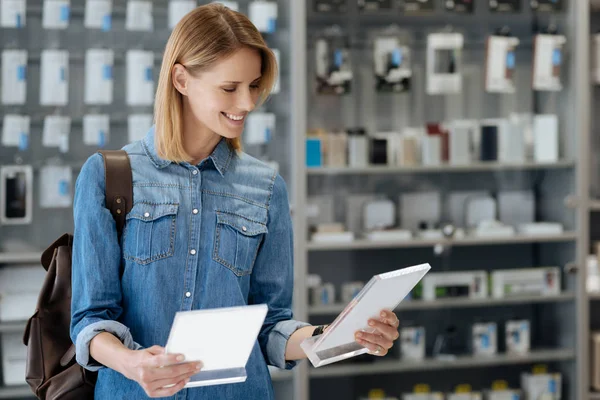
column 198, row 367
column 382, row 314
column 359, row 335
column 180, row 358
column 371, row 323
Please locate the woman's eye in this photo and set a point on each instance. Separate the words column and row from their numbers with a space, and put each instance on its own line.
column 229, row 90
column 257, row 86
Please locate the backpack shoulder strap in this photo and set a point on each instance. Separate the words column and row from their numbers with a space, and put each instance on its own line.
column 119, row 185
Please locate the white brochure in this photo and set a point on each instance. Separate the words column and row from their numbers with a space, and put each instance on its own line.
column 138, row 125
column 139, row 16
column 56, row 14
column 140, row 81
column 96, row 129
column 12, row 13
column 15, row 131
column 54, row 82
column 14, row 77
column 56, row 132
column 178, row 9
column 98, row 14
column 56, row 186
column 99, row 76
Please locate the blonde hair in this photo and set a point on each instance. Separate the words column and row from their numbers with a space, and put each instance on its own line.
column 203, row 37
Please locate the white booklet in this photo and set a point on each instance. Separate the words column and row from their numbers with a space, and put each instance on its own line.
column 383, row 291
column 221, row 338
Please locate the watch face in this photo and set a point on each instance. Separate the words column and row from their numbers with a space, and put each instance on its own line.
column 546, row 5
column 418, row 6
column 330, row 6
column 460, row 6
column 376, row 5
column 505, row 5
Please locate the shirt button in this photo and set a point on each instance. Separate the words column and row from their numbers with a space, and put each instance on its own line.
column 192, row 252
column 146, row 215
column 195, row 172
column 195, row 211
column 244, row 228
column 187, row 294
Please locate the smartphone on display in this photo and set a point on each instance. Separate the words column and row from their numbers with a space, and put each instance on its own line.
column 16, row 188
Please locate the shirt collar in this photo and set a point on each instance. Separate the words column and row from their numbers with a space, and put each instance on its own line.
column 221, row 155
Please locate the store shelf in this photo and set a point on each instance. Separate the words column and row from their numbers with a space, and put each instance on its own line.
column 381, row 367
column 22, row 258
column 12, row 327
column 483, row 166
column 455, row 303
column 369, row 244
column 16, row 392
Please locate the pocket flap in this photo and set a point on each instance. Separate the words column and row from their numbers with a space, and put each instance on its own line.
column 241, row 224
column 151, row 212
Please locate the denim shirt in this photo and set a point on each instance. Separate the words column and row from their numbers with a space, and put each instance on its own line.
column 214, row 235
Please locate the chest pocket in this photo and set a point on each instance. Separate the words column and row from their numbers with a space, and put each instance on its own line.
column 237, row 240
column 149, row 233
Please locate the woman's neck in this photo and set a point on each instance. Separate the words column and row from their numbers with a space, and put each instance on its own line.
column 199, row 141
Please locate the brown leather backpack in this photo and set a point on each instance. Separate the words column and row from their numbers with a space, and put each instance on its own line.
column 52, row 371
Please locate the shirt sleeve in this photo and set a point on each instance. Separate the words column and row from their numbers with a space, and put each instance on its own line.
column 96, row 262
column 272, row 280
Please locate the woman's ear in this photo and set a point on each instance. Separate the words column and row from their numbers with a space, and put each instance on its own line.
column 180, row 79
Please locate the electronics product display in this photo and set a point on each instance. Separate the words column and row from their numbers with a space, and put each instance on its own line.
column 393, row 64
column 518, row 336
column 444, row 61
column 484, row 339
column 541, row 281
column 412, row 343
column 333, row 68
column 440, row 285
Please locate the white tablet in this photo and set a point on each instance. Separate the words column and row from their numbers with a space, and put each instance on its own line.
column 384, row 291
column 221, row 338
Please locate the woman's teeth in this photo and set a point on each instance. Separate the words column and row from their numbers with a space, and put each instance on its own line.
column 234, row 117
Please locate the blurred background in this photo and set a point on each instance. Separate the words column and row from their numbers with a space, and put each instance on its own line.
column 458, row 133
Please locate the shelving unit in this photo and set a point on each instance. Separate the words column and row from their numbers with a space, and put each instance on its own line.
column 445, row 168
column 561, row 194
column 457, row 303
column 390, row 367
column 467, row 241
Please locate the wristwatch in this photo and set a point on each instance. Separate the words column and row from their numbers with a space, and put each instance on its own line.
column 319, row 330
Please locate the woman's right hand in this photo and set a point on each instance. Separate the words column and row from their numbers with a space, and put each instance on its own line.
column 159, row 374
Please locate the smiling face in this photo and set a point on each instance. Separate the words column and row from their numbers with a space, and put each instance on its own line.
column 220, row 98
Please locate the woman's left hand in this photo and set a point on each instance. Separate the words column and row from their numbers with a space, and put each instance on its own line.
column 382, row 340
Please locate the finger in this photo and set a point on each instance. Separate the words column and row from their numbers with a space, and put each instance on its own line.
column 390, row 318
column 375, row 339
column 171, row 382
column 163, row 360
column 374, row 348
column 168, row 392
column 384, row 329
column 173, row 371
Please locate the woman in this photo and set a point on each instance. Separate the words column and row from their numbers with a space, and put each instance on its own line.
column 210, row 226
